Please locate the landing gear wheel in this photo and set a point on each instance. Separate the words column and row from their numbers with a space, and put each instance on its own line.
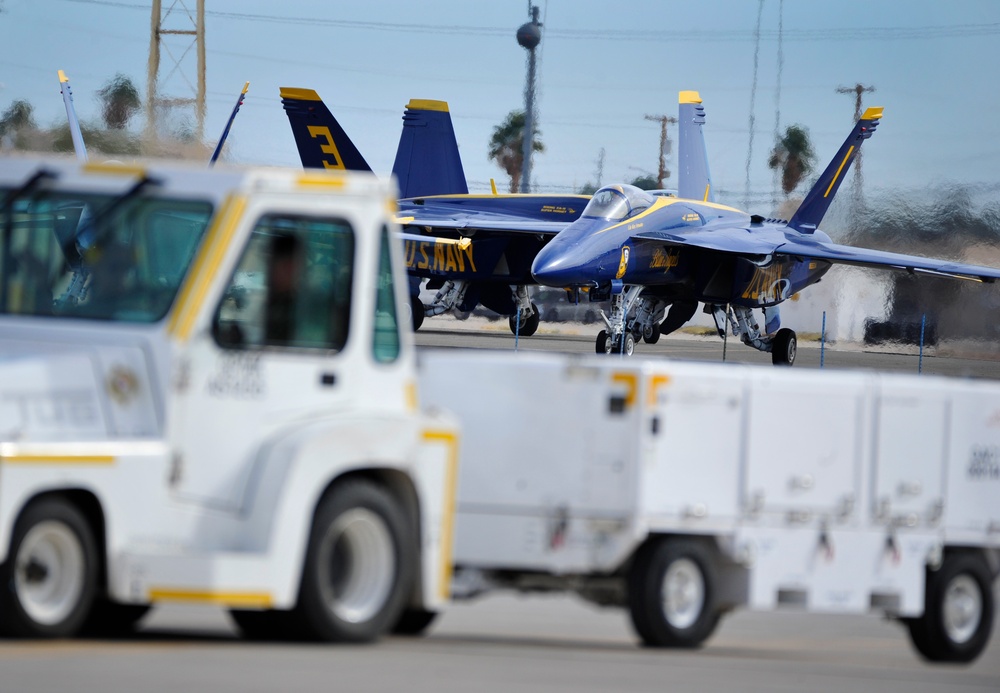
column 50, row 577
column 627, row 345
column 672, row 593
column 783, row 347
column 958, row 611
column 414, row 622
column 416, row 312
column 359, row 567
column 651, row 334
column 528, row 326
column 603, row 343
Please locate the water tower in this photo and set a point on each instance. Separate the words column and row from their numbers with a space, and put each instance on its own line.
column 529, row 35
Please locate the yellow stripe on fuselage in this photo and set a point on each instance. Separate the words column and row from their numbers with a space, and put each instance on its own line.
column 839, row 169
column 206, row 264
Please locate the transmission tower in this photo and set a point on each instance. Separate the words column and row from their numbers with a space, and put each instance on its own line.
column 858, row 89
column 175, row 32
column 663, row 173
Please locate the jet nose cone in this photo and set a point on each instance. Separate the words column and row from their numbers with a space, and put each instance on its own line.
column 552, row 268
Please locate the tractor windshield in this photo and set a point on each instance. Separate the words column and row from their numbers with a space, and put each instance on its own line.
column 94, row 256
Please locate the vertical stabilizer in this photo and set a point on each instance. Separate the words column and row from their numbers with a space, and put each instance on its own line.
column 693, row 179
column 74, row 124
column 427, row 159
column 818, row 199
column 321, row 142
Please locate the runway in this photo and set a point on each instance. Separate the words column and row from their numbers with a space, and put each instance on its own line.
column 539, row 643
column 949, row 359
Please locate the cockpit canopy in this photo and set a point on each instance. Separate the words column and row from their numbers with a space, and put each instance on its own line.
column 617, row 202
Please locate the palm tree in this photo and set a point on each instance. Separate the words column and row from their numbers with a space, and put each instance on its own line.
column 507, row 146
column 18, row 116
column 793, row 155
column 120, row 101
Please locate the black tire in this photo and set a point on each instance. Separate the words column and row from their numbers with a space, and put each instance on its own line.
column 784, row 347
column 958, row 611
column 528, row 326
column 414, row 622
column 672, row 593
column 360, row 565
column 108, row 619
column 628, row 344
column 602, row 346
column 652, row 334
column 50, row 578
column 416, row 312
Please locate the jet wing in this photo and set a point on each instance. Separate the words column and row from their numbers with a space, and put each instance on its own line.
column 864, row 257
column 509, row 214
column 742, row 241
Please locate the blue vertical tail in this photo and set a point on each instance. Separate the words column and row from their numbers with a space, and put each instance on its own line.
column 321, row 142
column 693, row 179
column 818, row 199
column 427, row 159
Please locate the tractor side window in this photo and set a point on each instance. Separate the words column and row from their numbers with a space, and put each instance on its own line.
column 291, row 287
column 385, row 344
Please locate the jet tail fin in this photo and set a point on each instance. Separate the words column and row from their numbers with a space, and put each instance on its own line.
column 427, row 159
column 818, row 199
column 693, row 179
column 321, row 142
column 74, row 123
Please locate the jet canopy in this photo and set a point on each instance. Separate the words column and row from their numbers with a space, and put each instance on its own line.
column 617, row 202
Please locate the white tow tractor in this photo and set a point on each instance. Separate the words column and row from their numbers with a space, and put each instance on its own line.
column 680, row 491
column 206, row 397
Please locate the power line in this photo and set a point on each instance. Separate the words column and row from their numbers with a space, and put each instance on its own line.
column 688, row 35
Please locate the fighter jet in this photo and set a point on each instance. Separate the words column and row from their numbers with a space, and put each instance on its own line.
column 658, row 255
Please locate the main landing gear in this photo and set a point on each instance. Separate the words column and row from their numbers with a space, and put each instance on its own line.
column 524, row 322
column 782, row 344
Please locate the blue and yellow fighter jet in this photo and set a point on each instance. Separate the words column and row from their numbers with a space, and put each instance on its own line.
column 472, row 248
column 653, row 253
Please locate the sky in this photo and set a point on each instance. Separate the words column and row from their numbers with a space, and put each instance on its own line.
column 602, row 67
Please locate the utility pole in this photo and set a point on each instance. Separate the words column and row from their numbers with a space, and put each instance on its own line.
column 858, row 89
column 663, row 173
column 165, row 24
column 600, row 167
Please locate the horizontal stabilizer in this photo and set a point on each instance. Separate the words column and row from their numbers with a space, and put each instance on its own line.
column 321, row 142
column 817, row 201
column 427, row 159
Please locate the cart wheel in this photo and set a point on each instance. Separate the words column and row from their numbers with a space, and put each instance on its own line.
column 784, row 347
column 50, row 577
column 958, row 611
column 360, row 565
column 671, row 594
